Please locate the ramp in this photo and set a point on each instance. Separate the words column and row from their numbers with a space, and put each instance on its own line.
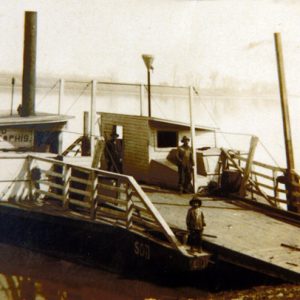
column 239, row 235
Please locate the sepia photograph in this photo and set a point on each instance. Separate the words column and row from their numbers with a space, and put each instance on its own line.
column 149, row 149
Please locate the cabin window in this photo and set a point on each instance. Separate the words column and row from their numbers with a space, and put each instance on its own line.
column 167, row 139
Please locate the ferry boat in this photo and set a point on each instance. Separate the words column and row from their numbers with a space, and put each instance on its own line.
column 72, row 207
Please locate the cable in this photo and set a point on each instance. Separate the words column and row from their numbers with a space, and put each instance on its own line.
column 268, row 152
column 212, row 118
column 48, row 92
column 84, row 89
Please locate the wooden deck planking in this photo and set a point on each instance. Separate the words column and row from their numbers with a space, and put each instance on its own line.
column 238, row 229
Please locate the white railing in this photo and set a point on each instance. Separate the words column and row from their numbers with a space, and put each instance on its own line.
column 98, row 195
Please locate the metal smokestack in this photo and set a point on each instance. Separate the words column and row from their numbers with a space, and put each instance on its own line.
column 29, row 63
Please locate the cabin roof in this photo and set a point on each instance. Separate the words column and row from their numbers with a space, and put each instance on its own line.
column 158, row 122
column 38, row 118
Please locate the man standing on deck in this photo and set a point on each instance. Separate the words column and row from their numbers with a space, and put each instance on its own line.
column 185, row 163
column 195, row 224
column 113, row 154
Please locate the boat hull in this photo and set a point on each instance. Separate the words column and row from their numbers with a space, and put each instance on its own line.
column 91, row 243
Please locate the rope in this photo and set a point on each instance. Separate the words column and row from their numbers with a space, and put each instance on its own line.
column 78, row 133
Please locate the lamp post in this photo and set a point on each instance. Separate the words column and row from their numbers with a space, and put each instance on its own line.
column 148, row 60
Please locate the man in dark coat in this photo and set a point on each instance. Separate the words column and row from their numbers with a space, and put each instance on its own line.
column 185, row 163
column 195, row 224
column 113, row 154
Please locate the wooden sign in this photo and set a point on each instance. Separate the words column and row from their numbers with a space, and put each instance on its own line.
column 12, row 138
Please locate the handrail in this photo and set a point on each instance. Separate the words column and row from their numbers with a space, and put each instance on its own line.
column 261, row 179
column 100, row 193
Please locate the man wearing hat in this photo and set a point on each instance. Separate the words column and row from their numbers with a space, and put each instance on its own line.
column 195, row 224
column 113, row 154
column 185, row 163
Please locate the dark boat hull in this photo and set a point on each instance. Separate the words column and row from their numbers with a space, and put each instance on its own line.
column 92, row 243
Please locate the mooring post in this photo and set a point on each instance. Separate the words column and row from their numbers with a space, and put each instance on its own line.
column 292, row 201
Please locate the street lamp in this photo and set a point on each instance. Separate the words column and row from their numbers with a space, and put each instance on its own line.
column 148, row 60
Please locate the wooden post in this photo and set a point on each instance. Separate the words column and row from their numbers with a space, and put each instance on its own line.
column 61, row 94
column 29, row 162
column 129, row 207
column 93, row 196
column 141, row 99
column 191, row 99
column 85, row 123
column 286, row 125
column 66, row 183
column 99, row 149
column 247, row 171
column 12, row 95
column 149, row 92
column 275, row 184
column 85, row 143
column 93, row 114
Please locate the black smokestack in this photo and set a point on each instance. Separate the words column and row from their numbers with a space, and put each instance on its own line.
column 29, row 62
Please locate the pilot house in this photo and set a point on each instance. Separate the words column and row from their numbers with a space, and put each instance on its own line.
column 148, row 146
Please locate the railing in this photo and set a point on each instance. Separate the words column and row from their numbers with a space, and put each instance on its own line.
column 98, row 195
column 265, row 181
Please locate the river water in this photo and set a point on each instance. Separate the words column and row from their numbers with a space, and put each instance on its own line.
column 27, row 275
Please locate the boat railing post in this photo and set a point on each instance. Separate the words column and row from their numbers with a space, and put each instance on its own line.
column 61, row 94
column 248, row 167
column 66, row 183
column 129, row 207
column 85, row 143
column 93, row 194
column 93, row 114
column 29, row 177
column 275, row 184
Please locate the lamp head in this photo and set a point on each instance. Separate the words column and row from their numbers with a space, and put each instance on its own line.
column 148, row 60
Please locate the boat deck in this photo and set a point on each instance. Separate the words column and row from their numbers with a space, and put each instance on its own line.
column 238, row 234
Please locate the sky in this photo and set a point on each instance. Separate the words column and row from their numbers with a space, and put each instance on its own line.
column 203, row 43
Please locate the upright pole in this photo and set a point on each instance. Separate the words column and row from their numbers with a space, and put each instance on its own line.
column 149, row 92
column 248, row 167
column 61, row 94
column 141, row 99
column 86, row 141
column 286, row 123
column 93, row 114
column 192, row 126
column 12, row 95
column 85, row 123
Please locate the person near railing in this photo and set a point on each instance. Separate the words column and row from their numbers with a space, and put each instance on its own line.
column 185, row 163
column 113, row 154
column 195, row 224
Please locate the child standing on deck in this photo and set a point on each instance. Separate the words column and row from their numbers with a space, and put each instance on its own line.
column 195, row 224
